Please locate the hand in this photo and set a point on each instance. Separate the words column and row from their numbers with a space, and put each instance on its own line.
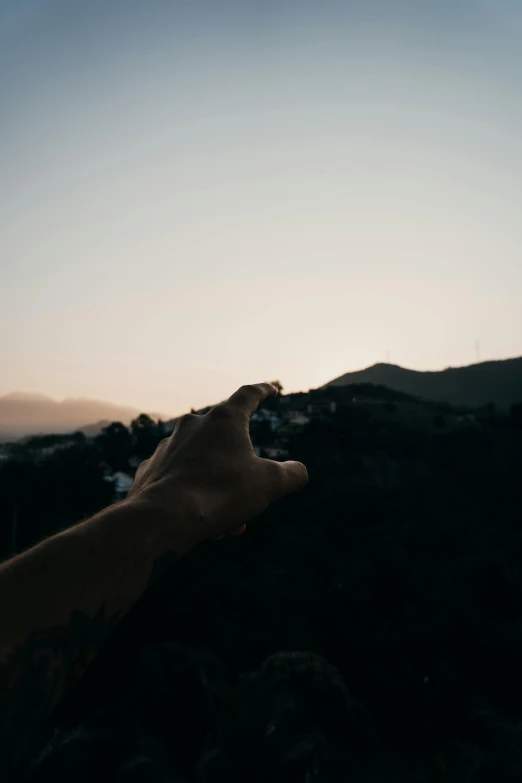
column 209, row 463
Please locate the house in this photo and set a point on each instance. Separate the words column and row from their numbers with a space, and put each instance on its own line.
column 48, row 451
column 296, row 417
column 265, row 415
column 121, row 482
column 321, row 407
column 295, row 401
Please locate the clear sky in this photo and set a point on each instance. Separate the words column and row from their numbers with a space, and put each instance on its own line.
column 200, row 193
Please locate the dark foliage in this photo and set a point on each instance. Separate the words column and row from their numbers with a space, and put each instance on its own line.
column 367, row 629
column 115, row 444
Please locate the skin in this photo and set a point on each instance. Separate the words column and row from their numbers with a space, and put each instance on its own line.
column 60, row 600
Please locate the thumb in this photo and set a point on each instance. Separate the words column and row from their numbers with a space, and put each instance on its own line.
column 286, row 477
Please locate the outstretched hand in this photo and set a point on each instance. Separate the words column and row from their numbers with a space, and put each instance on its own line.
column 72, row 588
column 210, row 463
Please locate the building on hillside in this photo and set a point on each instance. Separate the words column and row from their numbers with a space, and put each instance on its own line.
column 40, row 452
column 47, row 451
column 321, row 407
column 295, row 401
column 296, row 417
column 121, row 482
column 265, row 415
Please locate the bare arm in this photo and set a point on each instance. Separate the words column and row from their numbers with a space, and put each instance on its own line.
column 60, row 600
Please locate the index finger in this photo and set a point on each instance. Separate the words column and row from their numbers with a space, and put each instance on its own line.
column 248, row 397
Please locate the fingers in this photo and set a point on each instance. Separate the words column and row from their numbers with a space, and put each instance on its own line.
column 285, row 477
column 248, row 398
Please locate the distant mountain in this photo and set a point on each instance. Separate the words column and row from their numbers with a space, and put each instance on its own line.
column 34, row 414
column 499, row 382
column 25, row 397
column 91, row 430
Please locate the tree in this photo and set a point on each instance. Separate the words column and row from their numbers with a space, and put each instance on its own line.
column 145, row 435
column 160, row 429
column 115, row 444
column 274, row 403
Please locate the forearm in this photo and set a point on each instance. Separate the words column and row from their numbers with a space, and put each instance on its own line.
column 60, row 600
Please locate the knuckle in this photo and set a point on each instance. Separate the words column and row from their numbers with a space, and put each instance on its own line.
column 221, row 412
column 184, row 420
column 162, row 446
column 142, row 467
column 300, row 469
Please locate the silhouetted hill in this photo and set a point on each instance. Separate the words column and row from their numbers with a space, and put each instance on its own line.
column 365, row 629
column 499, row 382
column 31, row 414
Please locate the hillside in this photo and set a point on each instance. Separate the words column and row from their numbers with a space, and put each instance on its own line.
column 366, row 629
column 30, row 414
column 498, row 382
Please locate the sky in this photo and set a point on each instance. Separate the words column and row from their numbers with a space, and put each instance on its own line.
column 196, row 194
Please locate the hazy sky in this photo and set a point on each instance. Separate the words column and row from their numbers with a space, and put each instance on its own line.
column 196, row 194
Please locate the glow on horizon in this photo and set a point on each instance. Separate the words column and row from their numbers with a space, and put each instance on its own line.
column 193, row 198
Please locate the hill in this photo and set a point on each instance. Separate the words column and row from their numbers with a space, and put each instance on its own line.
column 31, row 414
column 498, row 382
column 366, row 629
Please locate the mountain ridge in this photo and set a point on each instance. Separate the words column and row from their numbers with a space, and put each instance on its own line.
column 497, row 381
column 27, row 413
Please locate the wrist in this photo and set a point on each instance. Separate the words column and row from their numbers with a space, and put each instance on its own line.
column 167, row 518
